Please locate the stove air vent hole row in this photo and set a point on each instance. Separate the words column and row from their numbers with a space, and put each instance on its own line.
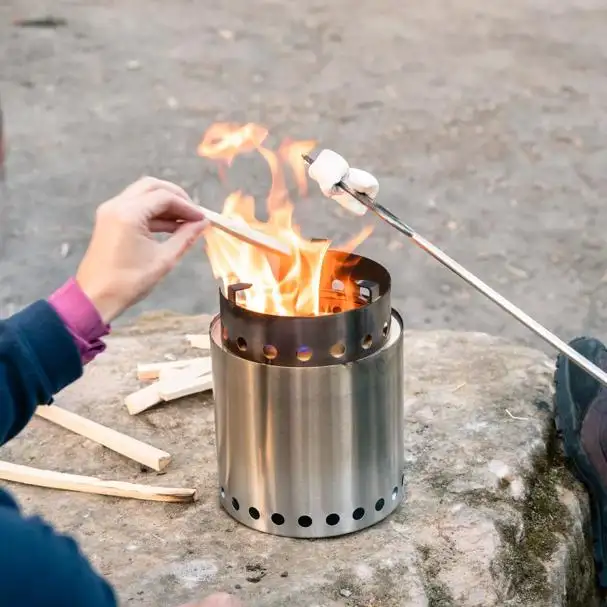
column 306, row 521
column 304, row 354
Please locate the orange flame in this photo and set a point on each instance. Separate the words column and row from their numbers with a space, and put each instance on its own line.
column 282, row 287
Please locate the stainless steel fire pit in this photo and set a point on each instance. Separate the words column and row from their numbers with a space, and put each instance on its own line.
column 309, row 410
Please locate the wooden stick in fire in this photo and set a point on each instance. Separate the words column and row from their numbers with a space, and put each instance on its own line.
column 245, row 233
column 327, row 161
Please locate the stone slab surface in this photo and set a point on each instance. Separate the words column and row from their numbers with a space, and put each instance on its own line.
column 490, row 518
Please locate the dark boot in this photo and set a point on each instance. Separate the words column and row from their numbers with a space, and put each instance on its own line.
column 581, row 417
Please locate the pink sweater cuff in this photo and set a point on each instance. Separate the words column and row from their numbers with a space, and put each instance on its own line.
column 81, row 319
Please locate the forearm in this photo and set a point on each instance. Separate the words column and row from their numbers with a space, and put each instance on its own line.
column 38, row 358
column 43, row 349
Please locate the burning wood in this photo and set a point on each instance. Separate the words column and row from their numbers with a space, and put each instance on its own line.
column 292, row 286
column 243, row 232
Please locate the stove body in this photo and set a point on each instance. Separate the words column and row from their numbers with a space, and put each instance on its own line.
column 309, row 410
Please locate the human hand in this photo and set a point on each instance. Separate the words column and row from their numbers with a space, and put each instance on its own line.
column 221, row 599
column 124, row 262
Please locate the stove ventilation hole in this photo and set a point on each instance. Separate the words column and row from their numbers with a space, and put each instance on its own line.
column 270, row 352
column 304, row 521
column 241, row 342
column 304, row 354
column 254, row 513
column 358, row 514
column 278, row 519
column 379, row 504
column 332, row 519
column 338, row 350
column 222, row 492
column 235, row 504
column 384, row 330
column 394, row 493
column 366, row 342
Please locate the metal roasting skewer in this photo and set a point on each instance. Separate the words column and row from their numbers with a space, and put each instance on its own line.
column 475, row 282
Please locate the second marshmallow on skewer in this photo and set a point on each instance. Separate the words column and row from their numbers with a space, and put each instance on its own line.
column 330, row 168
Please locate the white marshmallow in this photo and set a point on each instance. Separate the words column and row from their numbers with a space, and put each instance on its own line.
column 350, row 204
column 362, row 182
column 359, row 181
column 327, row 170
column 330, row 168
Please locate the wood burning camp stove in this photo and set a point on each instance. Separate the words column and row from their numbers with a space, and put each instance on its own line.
column 309, row 409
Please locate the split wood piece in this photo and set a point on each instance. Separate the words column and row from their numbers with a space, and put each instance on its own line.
column 182, row 375
column 116, row 441
column 199, row 341
column 179, row 387
column 37, row 477
column 143, row 399
column 173, row 383
column 245, row 233
column 152, row 370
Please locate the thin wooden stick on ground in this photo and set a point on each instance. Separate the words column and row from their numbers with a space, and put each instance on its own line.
column 173, row 383
column 37, row 477
column 178, row 387
column 153, row 370
column 116, row 441
column 202, row 341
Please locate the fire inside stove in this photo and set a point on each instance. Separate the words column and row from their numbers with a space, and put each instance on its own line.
column 355, row 324
column 285, row 287
column 307, row 369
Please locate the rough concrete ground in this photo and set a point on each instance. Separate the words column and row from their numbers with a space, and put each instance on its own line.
column 490, row 518
column 485, row 122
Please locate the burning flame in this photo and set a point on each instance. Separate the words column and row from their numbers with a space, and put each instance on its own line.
column 284, row 287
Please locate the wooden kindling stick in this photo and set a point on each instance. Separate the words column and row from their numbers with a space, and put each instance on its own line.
column 37, row 477
column 184, row 384
column 153, row 370
column 202, row 341
column 142, row 399
column 245, row 233
column 112, row 439
column 176, row 379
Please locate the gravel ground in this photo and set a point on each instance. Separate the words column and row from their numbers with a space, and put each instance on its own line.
column 484, row 122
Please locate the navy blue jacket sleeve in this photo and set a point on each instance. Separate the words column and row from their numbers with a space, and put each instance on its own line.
column 38, row 357
column 41, row 568
column 38, row 566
